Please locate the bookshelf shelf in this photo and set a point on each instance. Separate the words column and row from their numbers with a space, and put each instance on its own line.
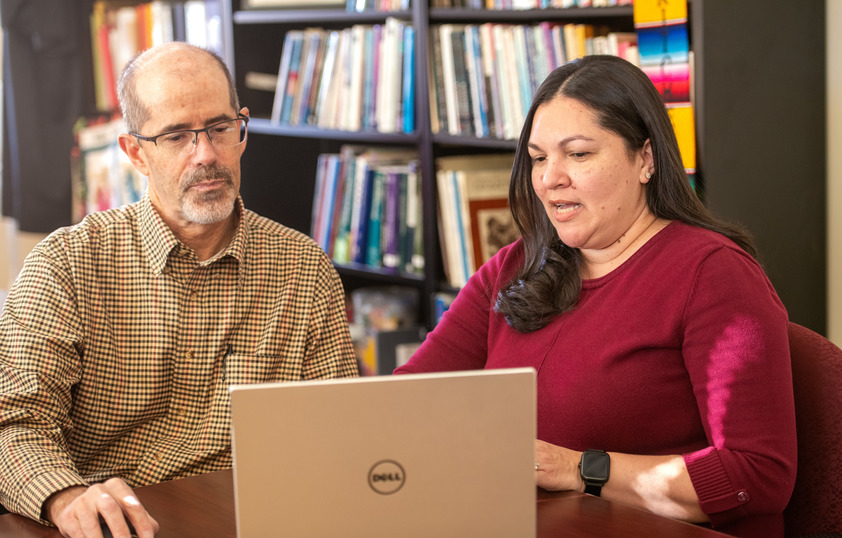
column 602, row 14
column 738, row 59
column 265, row 126
column 380, row 275
column 315, row 15
column 474, row 142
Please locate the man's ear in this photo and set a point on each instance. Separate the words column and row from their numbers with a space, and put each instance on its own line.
column 131, row 147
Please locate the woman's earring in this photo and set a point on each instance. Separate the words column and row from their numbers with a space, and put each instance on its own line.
column 648, row 175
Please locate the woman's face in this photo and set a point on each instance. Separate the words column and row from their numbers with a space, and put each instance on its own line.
column 590, row 184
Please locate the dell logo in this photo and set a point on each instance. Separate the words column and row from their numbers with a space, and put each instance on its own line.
column 386, row 477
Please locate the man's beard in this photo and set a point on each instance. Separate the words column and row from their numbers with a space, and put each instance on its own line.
column 211, row 206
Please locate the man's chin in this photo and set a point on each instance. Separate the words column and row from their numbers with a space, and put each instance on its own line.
column 209, row 211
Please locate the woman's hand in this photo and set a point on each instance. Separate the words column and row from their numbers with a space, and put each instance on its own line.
column 557, row 468
column 659, row 484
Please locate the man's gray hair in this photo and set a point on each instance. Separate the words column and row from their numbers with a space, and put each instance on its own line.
column 135, row 114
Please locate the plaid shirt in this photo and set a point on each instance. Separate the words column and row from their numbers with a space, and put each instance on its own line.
column 117, row 347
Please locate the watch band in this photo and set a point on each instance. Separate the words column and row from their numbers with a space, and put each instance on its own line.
column 593, row 489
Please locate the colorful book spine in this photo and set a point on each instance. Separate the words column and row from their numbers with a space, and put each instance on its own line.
column 392, row 216
column 374, row 249
column 408, row 91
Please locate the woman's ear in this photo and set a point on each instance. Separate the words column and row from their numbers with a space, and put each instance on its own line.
column 647, row 169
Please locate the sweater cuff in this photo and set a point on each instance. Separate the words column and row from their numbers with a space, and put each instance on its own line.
column 718, row 498
column 41, row 487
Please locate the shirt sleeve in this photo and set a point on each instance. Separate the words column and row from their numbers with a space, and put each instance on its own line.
column 737, row 355
column 39, row 363
column 330, row 352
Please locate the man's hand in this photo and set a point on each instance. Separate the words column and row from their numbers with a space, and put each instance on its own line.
column 78, row 511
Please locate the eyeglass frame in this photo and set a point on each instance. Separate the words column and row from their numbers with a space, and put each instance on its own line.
column 196, row 132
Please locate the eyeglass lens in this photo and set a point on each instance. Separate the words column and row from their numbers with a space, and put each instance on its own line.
column 222, row 135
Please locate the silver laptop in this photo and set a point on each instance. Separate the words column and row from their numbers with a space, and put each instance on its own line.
column 448, row 454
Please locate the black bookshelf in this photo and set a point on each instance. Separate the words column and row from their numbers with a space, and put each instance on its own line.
column 759, row 98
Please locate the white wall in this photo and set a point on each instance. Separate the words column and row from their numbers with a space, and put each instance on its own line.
column 834, row 170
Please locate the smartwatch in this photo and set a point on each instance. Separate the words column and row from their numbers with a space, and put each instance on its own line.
column 594, row 468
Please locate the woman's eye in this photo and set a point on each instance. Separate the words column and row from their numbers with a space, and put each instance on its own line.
column 579, row 154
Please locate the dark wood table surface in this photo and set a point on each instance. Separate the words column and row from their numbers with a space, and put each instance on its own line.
column 203, row 507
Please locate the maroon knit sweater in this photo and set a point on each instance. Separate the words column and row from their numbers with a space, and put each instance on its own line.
column 681, row 350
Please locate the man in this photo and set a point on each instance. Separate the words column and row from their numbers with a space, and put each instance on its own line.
column 121, row 335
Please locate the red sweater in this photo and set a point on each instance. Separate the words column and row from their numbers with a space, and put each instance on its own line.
column 681, row 350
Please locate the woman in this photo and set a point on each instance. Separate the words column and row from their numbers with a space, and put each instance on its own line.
column 654, row 332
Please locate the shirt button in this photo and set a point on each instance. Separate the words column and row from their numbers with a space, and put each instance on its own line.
column 742, row 496
column 189, row 356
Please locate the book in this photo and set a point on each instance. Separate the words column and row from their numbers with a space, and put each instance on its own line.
column 368, row 121
column 408, row 89
column 318, row 198
column 341, row 244
column 461, row 81
column 326, row 198
column 464, row 247
column 374, row 247
column 492, row 82
column 353, row 98
column 522, row 67
column 361, row 214
column 414, row 242
column 294, row 104
column 448, row 230
column 438, row 106
column 284, row 70
column 476, row 81
column 449, row 79
column 389, row 76
column 392, row 215
column 321, row 106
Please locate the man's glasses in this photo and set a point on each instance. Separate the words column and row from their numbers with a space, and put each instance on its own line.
column 223, row 135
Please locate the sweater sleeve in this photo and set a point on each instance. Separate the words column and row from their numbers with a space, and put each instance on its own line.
column 737, row 354
column 460, row 340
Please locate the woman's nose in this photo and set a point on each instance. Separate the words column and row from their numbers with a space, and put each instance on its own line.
column 555, row 175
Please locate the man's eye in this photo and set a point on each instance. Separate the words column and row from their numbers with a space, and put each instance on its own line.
column 174, row 138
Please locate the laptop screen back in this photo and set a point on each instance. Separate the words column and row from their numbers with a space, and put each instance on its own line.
column 448, row 454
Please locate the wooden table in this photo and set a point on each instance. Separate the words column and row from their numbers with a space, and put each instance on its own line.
column 203, row 507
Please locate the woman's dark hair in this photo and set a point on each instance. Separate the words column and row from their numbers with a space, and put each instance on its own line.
column 626, row 103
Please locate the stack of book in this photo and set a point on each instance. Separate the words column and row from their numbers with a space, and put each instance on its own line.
column 367, row 208
column 360, row 78
column 483, row 76
column 474, row 217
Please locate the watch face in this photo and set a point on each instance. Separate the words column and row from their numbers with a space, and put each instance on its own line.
column 595, row 466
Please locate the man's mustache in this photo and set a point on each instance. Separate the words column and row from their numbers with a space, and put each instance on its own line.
column 208, row 173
